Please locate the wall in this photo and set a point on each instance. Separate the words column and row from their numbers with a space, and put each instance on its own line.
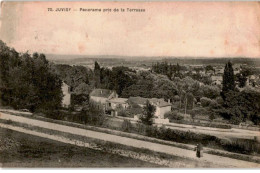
column 66, row 95
column 161, row 111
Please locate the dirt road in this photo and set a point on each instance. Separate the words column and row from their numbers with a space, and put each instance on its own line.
column 226, row 162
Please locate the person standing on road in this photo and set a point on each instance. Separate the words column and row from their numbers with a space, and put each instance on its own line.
column 198, row 150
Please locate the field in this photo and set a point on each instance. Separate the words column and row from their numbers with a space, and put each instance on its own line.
column 22, row 150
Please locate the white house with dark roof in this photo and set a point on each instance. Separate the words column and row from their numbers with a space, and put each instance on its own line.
column 162, row 107
column 102, row 96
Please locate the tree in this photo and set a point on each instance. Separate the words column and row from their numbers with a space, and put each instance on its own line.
column 228, row 78
column 27, row 82
column 97, row 74
column 148, row 113
column 208, row 68
column 241, row 106
column 241, row 77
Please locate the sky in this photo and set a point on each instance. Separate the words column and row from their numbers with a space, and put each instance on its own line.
column 184, row 29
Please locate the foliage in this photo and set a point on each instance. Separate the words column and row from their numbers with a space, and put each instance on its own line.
column 173, row 115
column 79, row 78
column 241, row 106
column 228, row 78
column 148, row 113
column 167, row 69
column 79, row 99
column 149, row 85
column 205, row 101
column 239, row 145
column 242, row 76
column 93, row 114
column 210, row 91
column 126, row 126
column 97, row 75
column 208, row 68
column 122, row 113
column 27, row 82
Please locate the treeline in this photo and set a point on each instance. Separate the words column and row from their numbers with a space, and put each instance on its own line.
column 172, row 71
column 169, row 70
column 27, row 81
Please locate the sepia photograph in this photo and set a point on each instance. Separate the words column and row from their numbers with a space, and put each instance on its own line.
column 129, row 84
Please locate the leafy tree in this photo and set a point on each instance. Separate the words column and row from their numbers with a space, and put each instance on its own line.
column 93, row 114
column 208, row 68
column 97, row 74
column 27, row 82
column 228, row 78
column 148, row 114
column 242, row 77
column 127, row 126
column 241, row 106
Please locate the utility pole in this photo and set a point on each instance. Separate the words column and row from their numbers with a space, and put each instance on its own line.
column 185, row 104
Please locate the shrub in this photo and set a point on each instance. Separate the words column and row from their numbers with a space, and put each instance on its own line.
column 244, row 146
column 205, row 101
column 148, row 114
column 122, row 113
column 173, row 116
column 219, row 100
column 212, row 116
column 92, row 114
column 141, row 128
column 127, row 126
column 54, row 114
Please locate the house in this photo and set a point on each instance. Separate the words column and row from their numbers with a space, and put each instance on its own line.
column 66, row 95
column 116, row 104
column 101, row 96
column 161, row 106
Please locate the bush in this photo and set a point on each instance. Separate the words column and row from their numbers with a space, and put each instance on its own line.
column 122, row 113
column 92, row 114
column 54, row 114
column 205, row 101
column 173, row 116
column 141, row 128
column 244, row 146
column 127, row 126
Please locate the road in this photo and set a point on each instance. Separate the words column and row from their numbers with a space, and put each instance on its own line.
column 218, row 132
column 224, row 161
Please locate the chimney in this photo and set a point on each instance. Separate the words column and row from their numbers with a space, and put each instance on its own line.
column 169, row 100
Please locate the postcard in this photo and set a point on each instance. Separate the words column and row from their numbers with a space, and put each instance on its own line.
column 129, row 84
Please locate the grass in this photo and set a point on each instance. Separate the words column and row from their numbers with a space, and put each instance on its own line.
column 33, row 151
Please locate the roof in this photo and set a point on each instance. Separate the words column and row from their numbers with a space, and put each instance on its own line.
column 154, row 101
column 101, row 93
column 159, row 102
column 118, row 100
column 137, row 100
